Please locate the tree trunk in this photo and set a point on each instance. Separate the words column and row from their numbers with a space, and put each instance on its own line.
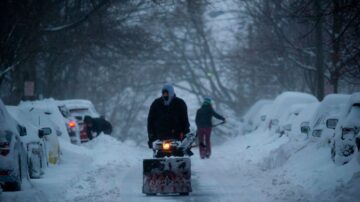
column 319, row 51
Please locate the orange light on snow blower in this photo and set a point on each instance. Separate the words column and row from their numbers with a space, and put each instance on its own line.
column 72, row 124
column 166, row 146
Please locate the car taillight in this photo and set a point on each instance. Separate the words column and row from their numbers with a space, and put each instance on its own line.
column 4, row 148
column 72, row 124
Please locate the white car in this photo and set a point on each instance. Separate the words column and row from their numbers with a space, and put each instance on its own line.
column 262, row 117
column 79, row 109
column 41, row 118
column 329, row 108
column 281, row 108
column 300, row 116
column 347, row 131
column 251, row 118
column 72, row 124
column 35, row 141
column 13, row 156
column 68, row 126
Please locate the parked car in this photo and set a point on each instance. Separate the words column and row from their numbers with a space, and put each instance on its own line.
column 72, row 125
column 42, row 118
column 330, row 108
column 347, row 131
column 68, row 126
column 291, row 117
column 34, row 140
column 300, row 116
column 262, row 117
column 13, row 155
column 79, row 109
column 251, row 118
column 282, row 106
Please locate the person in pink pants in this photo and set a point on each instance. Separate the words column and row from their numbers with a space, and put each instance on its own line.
column 204, row 126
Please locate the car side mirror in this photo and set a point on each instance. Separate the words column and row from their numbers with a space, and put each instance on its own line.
column 331, row 123
column 23, row 131
column 44, row 131
column 305, row 129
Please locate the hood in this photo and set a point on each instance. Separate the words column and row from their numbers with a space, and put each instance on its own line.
column 170, row 90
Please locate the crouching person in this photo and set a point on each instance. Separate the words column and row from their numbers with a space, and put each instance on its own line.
column 97, row 125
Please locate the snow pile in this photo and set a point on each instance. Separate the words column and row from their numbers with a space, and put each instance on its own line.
column 101, row 178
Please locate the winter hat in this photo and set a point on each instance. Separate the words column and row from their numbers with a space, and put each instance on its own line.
column 207, row 101
column 170, row 89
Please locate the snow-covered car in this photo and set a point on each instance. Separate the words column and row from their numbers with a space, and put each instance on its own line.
column 329, row 109
column 292, row 115
column 13, row 155
column 281, row 108
column 79, row 109
column 263, row 115
column 72, row 125
column 251, row 118
column 347, row 131
column 42, row 118
column 34, row 140
column 68, row 126
column 299, row 116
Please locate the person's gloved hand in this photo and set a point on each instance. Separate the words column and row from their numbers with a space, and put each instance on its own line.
column 150, row 144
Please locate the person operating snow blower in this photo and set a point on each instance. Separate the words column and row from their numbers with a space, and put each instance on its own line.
column 204, row 126
column 168, row 118
column 169, row 171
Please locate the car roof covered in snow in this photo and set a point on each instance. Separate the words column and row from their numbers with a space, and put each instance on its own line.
column 284, row 101
column 7, row 122
column 254, row 109
column 80, row 104
column 25, row 120
column 48, row 113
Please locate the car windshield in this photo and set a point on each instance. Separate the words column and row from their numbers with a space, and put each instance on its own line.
column 64, row 111
column 80, row 111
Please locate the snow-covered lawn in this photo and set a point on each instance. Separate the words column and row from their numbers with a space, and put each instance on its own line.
column 255, row 167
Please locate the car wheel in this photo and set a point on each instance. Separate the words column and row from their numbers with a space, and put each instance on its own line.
column 31, row 172
column 184, row 194
column 15, row 186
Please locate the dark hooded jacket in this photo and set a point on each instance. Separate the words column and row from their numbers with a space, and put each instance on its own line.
column 167, row 120
column 204, row 115
column 98, row 125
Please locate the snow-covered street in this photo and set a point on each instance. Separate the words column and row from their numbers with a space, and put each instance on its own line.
column 182, row 100
column 239, row 170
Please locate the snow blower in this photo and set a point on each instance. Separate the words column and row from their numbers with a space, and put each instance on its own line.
column 169, row 172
